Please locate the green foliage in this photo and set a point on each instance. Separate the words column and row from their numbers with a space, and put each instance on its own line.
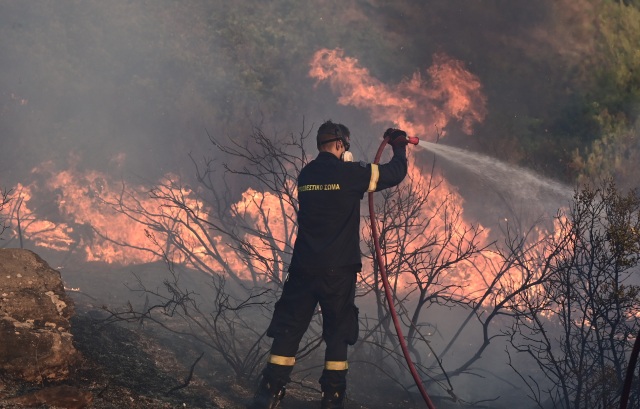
column 615, row 99
column 623, row 227
column 585, row 133
column 631, row 3
column 619, row 77
column 614, row 156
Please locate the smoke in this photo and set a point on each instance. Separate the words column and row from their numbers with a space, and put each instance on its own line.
column 124, row 86
column 126, row 90
column 123, row 90
column 138, row 84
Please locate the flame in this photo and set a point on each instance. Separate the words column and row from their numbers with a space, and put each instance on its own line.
column 44, row 233
column 421, row 106
column 105, row 220
column 434, row 234
column 424, row 105
column 80, row 220
column 270, row 239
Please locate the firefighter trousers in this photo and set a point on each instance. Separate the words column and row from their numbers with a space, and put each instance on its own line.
column 294, row 310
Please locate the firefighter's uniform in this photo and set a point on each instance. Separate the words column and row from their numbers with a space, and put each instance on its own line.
column 326, row 260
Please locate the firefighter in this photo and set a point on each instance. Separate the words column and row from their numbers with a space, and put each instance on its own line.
column 325, row 262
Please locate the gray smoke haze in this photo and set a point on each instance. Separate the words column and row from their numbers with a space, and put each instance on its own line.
column 129, row 87
column 104, row 79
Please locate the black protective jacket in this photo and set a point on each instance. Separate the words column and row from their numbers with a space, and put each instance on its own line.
column 329, row 194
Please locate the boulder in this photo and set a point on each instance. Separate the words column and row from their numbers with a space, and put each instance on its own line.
column 34, row 319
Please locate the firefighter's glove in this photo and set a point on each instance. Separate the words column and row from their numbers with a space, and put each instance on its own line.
column 397, row 137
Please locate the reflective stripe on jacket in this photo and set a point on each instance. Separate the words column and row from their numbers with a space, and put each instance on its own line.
column 329, row 195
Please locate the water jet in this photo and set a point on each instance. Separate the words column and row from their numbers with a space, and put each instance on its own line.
column 522, row 182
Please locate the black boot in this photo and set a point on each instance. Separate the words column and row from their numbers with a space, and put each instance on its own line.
column 272, row 386
column 268, row 395
column 334, row 386
column 332, row 399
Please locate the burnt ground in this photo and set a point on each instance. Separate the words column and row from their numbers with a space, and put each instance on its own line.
column 129, row 367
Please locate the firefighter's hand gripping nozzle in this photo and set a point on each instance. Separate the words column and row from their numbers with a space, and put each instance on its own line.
column 398, row 137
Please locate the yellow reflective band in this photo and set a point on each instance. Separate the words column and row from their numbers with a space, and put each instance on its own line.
column 336, row 365
column 282, row 360
column 375, row 175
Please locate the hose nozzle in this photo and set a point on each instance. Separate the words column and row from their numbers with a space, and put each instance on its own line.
column 413, row 140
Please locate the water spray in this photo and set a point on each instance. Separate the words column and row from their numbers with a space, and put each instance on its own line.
column 523, row 182
column 387, row 287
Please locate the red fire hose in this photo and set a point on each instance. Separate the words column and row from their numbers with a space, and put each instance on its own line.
column 387, row 287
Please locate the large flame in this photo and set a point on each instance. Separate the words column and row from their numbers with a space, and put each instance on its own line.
column 97, row 218
column 91, row 214
column 424, row 106
column 421, row 106
column 76, row 217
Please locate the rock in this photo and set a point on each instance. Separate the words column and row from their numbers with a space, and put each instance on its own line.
column 34, row 319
